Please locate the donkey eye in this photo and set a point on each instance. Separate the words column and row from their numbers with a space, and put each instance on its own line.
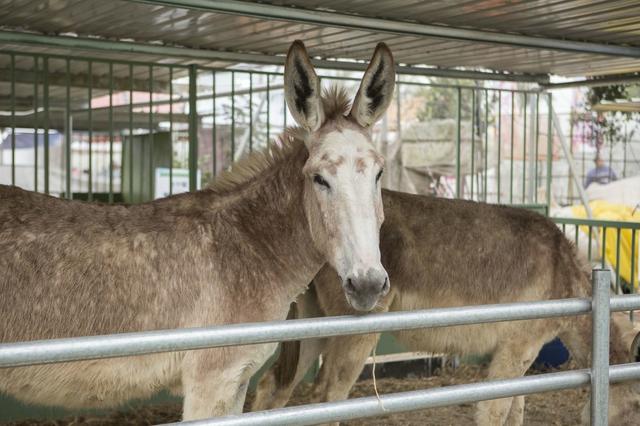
column 320, row 181
column 379, row 175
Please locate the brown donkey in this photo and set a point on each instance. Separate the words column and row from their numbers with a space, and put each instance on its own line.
column 239, row 251
column 444, row 253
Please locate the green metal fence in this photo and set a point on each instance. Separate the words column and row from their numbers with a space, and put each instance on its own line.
column 120, row 130
column 611, row 244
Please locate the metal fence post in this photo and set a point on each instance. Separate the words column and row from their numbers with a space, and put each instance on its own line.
column 193, row 128
column 600, row 306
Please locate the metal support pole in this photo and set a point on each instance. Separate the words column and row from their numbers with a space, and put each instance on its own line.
column 600, row 279
column 549, row 151
column 569, row 157
column 193, row 129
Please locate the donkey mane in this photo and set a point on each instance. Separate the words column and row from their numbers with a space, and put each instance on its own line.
column 336, row 104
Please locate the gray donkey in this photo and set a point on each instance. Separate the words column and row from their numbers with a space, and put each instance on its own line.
column 443, row 253
column 239, row 251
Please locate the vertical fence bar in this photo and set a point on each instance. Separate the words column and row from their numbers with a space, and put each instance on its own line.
column 600, row 280
column 633, row 266
column 214, row 130
column 171, row 129
column 524, row 147
column 604, row 246
column 499, row 139
column 193, row 128
column 36, row 80
column 69, row 129
column 151, row 147
column 90, row 113
column 251, row 112
column 131, row 131
column 473, row 138
column 535, row 151
column 549, row 150
column 513, row 111
column 590, row 242
column 13, row 119
column 45, row 102
column 458, row 119
column 268, row 111
column 111, row 133
column 233, row 117
column 486, row 143
column 618, row 229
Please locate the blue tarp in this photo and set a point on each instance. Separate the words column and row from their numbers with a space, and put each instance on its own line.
column 26, row 140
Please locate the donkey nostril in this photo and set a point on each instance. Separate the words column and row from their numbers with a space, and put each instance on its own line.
column 350, row 287
column 385, row 286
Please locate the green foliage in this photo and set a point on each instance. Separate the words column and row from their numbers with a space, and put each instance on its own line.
column 611, row 125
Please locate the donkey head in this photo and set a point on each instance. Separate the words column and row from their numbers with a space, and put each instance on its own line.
column 343, row 200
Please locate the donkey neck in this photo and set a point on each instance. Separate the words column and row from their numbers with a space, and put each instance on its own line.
column 265, row 218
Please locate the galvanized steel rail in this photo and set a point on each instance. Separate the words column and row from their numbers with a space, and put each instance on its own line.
column 417, row 400
column 127, row 344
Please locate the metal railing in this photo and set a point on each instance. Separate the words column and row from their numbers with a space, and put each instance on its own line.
column 97, row 129
column 601, row 304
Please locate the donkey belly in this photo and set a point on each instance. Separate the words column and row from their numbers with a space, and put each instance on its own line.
column 462, row 340
column 93, row 384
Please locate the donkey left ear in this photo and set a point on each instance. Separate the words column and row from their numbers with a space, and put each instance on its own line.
column 376, row 89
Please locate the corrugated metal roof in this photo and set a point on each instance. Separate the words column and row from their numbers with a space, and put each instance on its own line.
column 615, row 22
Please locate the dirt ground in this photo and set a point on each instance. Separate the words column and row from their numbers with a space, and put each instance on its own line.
column 552, row 408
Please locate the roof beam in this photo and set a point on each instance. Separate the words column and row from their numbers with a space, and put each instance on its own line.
column 94, row 44
column 356, row 22
column 100, row 81
column 596, row 82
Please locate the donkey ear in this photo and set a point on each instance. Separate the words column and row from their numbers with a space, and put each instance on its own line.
column 302, row 88
column 376, row 89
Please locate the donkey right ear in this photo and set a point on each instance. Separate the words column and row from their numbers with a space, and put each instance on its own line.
column 302, row 88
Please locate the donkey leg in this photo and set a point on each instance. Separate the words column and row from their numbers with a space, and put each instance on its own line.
column 215, row 381
column 516, row 413
column 342, row 363
column 274, row 389
column 512, row 358
column 622, row 396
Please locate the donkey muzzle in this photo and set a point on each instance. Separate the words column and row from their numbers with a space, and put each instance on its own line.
column 363, row 290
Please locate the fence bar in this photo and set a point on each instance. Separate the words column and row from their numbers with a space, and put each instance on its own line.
column 151, row 134
column 233, row 119
column 13, row 119
column 111, row 199
column 458, row 148
column 499, row 139
column 45, row 102
column 171, row 129
column 131, row 132
column 417, row 400
column 600, row 280
column 251, row 112
column 193, row 128
column 90, row 114
column 549, row 149
column 35, row 123
column 486, row 145
column 524, row 147
column 94, row 347
column 627, row 302
column 68, row 120
column 513, row 111
column 473, row 139
column 214, row 143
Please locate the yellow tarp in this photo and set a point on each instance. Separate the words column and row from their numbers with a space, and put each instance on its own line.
column 603, row 210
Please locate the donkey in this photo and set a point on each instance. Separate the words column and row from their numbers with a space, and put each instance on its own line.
column 444, row 253
column 238, row 251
